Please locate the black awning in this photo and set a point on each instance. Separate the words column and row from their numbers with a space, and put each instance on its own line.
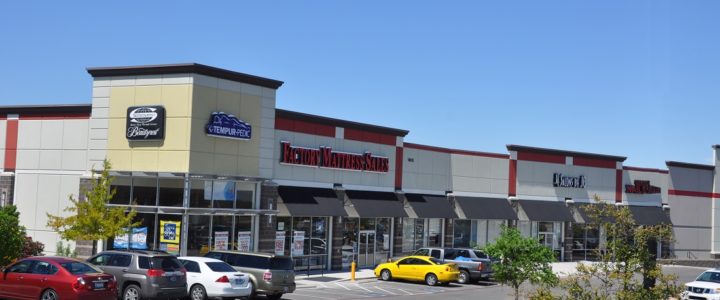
column 583, row 211
column 538, row 210
column 431, row 206
column 376, row 204
column 309, row 202
column 649, row 215
column 486, row 208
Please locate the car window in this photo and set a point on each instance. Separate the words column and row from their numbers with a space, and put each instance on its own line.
column 190, row 266
column 480, row 254
column 21, row 267
column 464, row 253
column 100, row 260
column 215, row 255
column 450, row 253
column 120, row 260
column 436, row 261
column 422, row 252
column 419, row 262
column 219, row 267
column 143, row 262
column 406, row 261
column 78, row 268
column 709, row 277
column 166, row 263
column 435, row 253
column 281, row 263
column 252, row 261
column 45, row 268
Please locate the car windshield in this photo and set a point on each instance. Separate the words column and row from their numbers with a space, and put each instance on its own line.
column 436, row 261
column 220, row 267
column 709, row 277
column 480, row 254
column 78, row 268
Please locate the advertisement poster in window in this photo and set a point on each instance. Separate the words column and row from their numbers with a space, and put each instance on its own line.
column 170, row 248
column 280, row 243
column 137, row 239
column 244, row 240
column 170, row 232
column 221, row 240
column 298, row 243
column 219, row 190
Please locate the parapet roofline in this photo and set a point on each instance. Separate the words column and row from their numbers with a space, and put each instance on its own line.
column 511, row 147
column 184, row 69
column 47, row 109
column 338, row 123
column 670, row 163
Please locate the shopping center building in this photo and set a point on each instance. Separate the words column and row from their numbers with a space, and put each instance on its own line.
column 208, row 162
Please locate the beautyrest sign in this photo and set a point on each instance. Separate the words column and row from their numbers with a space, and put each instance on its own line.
column 325, row 157
column 145, row 123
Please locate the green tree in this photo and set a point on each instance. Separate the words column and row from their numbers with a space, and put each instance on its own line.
column 521, row 259
column 627, row 268
column 92, row 219
column 12, row 235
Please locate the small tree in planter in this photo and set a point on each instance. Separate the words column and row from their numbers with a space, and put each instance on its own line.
column 12, row 235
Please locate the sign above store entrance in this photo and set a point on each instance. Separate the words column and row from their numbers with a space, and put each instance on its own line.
column 325, row 157
column 145, row 123
column 568, row 181
column 641, row 187
column 228, row 126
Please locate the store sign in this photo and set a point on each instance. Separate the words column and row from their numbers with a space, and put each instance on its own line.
column 280, row 243
column 325, row 157
column 145, row 123
column 244, row 241
column 136, row 239
column 228, row 126
column 641, row 187
column 170, row 232
column 568, row 181
column 221, row 240
column 298, row 243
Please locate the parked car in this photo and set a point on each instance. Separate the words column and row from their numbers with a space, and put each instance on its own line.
column 143, row 274
column 213, row 278
column 419, row 268
column 51, row 278
column 706, row 286
column 271, row 275
column 473, row 264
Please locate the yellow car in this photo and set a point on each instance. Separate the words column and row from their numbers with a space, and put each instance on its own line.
column 419, row 268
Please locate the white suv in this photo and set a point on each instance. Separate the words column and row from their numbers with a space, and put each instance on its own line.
column 706, row 286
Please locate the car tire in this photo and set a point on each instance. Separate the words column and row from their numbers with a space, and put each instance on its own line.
column 132, row 292
column 197, row 292
column 253, row 291
column 277, row 296
column 49, row 294
column 464, row 277
column 385, row 275
column 431, row 279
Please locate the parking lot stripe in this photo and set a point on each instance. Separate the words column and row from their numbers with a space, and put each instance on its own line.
column 311, row 296
column 379, row 288
column 404, row 291
column 342, row 286
column 369, row 291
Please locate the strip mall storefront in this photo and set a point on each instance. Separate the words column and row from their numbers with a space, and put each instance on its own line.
column 210, row 163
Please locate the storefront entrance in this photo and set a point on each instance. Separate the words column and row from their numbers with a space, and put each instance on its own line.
column 366, row 251
column 366, row 241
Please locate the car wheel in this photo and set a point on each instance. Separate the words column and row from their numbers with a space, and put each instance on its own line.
column 197, row 292
column 253, row 292
column 464, row 277
column 385, row 275
column 274, row 296
column 431, row 279
column 49, row 295
column 132, row 292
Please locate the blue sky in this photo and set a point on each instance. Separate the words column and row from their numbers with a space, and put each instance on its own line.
column 632, row 78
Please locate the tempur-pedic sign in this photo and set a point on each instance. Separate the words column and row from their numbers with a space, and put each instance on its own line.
column 145, row 123
column 325, row 157
column 560, row 180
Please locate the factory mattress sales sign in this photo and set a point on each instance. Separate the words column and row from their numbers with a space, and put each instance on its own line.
column 325, row 157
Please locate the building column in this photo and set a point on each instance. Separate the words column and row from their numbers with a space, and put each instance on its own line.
column 449, row 233
column 397, row 236
column 568, row 241
column 337, row 243
column 268, row 223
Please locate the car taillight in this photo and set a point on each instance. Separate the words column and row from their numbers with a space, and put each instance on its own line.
column 155, row 273
column 112, row 284
column 480, row 266
column 183, row 271
column 447, row 269
column 223, row 279
column 80, row 284
column 267, row 276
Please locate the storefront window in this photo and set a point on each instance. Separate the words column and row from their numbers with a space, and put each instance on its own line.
column 121, row 185
column 434, row 235
column 302, row 224
column 586, row 242
column 285, row 224
column 318, row 241
column 144, row 191
column 198, row 197
column 171, row 191
column 169, row 233
column 462, row 232
column 350, row 240
column 223, row 193
column 382, row 235
column 244, row 195
column 222, row 234
column 141, row 238
column 243, row 227
column 198, row 235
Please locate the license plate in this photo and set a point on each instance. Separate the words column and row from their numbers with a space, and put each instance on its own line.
column 238, row 281
column 99, row 285
column 173, row 278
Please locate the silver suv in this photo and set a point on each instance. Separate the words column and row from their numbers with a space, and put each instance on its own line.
column 143, row 274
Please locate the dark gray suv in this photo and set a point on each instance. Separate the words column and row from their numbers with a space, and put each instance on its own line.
column 144, row 274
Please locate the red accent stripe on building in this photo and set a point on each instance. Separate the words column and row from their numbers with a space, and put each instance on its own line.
column 541, row 157
column 645, row 170
column 512, row 178
column 398, row 167
column 370, row 137
column 54, row 116
column 11, row 138
column 618, row 185
column 304, row 127
column 455, row 151
column 592, row 162
column 693, row 194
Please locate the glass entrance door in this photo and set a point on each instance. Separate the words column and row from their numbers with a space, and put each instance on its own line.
column 366, row 251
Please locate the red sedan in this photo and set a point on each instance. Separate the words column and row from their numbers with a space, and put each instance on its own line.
column 52, row 278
